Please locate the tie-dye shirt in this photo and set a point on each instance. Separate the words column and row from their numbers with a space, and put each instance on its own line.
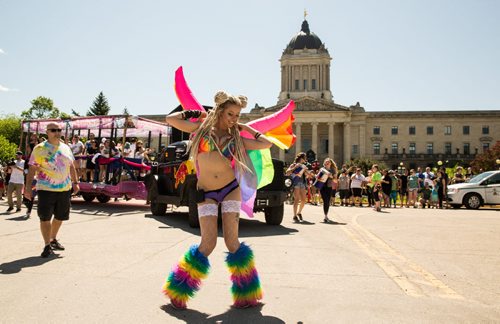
column 54, row 166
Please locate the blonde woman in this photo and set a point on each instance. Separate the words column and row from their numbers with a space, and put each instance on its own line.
column 217, row 146
column 299, row 172
column 324, row 180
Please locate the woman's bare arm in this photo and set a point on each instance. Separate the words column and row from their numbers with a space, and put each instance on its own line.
column 177, row 120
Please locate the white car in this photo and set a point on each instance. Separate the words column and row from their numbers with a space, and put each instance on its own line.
column 483, row 189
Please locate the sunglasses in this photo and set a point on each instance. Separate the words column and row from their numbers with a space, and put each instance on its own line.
column 55, row 130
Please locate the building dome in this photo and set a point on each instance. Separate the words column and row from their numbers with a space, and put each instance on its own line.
column 304, row 39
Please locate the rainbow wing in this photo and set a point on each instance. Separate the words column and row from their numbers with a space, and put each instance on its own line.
column 277, row 127
column 184, row 94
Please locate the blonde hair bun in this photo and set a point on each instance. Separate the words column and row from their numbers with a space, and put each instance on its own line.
column 221, row 97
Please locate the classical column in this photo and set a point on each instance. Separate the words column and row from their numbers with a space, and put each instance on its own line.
column 330, row 140
column 347, row 142
column 362, row 140
column 298, row 138
column 314, row 139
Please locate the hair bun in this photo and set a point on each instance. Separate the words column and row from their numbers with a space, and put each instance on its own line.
column 243, row 101
column 221, row 97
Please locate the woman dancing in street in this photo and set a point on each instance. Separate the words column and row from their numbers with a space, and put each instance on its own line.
column 219, row 152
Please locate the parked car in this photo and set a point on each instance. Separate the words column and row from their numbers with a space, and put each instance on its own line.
column 483, row 189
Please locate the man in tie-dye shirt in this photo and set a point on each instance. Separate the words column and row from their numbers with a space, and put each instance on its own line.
column 52, row 164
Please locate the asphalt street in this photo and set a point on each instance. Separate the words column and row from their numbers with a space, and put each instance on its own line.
column 398, row 266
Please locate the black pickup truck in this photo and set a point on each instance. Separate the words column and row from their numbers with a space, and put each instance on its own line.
column 163, row 190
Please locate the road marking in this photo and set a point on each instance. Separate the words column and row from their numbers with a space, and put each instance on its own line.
column 413, row 279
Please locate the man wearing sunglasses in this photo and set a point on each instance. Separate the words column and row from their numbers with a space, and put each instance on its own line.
column 52, row 164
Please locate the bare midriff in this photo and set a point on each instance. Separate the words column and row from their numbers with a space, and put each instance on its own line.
column 214, row 172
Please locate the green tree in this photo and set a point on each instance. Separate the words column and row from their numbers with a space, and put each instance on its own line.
column 10, row 128
column 365, row 164
column 8, row 150
column 487, row 160
column 99, row 107
column 74, row 113
column 41, row 108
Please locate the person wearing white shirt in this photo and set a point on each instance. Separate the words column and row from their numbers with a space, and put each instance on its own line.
column 357, row 180
column 16, row 183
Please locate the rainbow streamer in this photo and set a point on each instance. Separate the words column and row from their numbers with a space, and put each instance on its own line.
column 185, row 279
column 246, row 289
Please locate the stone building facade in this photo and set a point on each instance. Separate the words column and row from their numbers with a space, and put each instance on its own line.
column 329, row 129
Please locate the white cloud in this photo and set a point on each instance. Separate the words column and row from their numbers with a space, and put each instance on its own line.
column 5, row 89
column 2, row 51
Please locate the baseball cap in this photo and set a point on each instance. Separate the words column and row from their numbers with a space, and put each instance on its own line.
column 19, row 153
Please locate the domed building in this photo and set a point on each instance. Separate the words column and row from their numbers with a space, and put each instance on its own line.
column 329, row 129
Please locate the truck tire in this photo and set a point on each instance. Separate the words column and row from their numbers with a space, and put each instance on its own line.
column 472, row 201
column 193, row 211
column 158, row 209
column 274, row 215
column 103, row 198
column 88, row 197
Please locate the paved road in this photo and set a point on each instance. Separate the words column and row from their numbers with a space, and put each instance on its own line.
column 403, row 265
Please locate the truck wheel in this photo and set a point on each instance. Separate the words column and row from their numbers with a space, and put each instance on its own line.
column 88, row 197
column 193, row 211
column 103, row 198
column 274, row 215
column 158, row 209
column 472, row 201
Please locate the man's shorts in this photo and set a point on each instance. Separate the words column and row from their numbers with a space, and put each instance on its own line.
column 356, row 192
column 344, row 193
column 54, row 203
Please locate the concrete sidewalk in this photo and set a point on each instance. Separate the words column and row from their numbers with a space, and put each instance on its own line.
column 118, row 255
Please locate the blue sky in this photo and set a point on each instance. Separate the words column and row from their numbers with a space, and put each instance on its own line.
column 387, row 54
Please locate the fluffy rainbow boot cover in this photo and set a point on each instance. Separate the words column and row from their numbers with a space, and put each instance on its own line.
column 246, row 288
column 185, row 279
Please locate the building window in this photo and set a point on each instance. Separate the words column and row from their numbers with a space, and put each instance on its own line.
column 394, row 148
column 296, row 84
column 430, row 130
column 447, row 130
column 394, row 130
column 466, row 148
column 430, row 148
column 412, row 130
column 376, row 130
column 486, row 130
column 306, row 144
column 376, row 148
column 325, row 146
column 466, row 130
column 313, row 84
column 412, row 148
column 486, row 147
column 447, row 148
column 305, row 85
column 355, row 149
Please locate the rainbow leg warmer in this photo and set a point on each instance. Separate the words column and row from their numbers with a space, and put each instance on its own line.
column 185, row 279
column 246, row 287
